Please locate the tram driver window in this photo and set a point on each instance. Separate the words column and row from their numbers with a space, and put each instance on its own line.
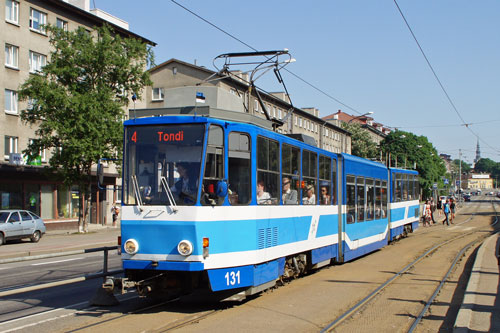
column 239, row 169
column 214, row 166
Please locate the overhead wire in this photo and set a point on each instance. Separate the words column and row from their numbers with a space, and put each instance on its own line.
column 464, row 123
column 253, row 48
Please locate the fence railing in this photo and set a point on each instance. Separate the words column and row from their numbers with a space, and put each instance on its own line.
column 86, row 277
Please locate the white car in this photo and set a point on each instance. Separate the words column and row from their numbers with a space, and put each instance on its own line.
column 18, row 224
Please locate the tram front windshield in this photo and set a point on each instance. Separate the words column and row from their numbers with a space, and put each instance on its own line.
column 157, row 156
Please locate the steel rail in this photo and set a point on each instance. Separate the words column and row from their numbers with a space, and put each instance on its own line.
column 445, row 278
column 370, row 296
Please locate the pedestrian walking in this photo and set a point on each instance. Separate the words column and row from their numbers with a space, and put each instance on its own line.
column 452, row 210
column 446, row 211
column 427, row 214
column 439, row 206
column 433, row 209
column 115, row 210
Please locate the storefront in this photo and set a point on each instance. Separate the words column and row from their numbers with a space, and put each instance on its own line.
column 31, row 188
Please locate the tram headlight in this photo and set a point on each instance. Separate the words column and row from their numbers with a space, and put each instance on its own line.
column 185, row 247
column 131, row 246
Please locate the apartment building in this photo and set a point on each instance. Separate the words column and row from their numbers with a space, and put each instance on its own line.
column 27, row 50
column 176, row 84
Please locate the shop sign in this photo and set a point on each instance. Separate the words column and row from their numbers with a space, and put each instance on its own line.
column 16, row 158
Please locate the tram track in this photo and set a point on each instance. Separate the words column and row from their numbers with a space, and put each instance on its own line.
column 428, row 253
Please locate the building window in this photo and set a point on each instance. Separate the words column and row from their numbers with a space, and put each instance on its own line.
column 12, row 11
column 11, row 56
column 256, row 105
column 41, row 157
column 158, row 94
column 296, row 121
column 10, row 146
column 61, row 24
column 10, row 101
column 37, row 61
column 37, row 20
column 300, row 122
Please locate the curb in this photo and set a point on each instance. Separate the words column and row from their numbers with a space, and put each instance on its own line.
column 464, row 316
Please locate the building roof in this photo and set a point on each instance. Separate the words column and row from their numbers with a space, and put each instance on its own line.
column 243, row 85
column 96, row 19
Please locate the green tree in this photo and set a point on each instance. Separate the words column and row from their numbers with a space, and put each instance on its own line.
column 361, row 143
column 458, row 165
column 77, row 102
column 416, row 152
column 485, row 165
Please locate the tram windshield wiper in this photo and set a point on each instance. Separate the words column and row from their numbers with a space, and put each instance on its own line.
column 170, row 196
column 137, row 193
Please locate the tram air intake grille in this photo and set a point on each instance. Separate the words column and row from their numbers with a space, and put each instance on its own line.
column 268, row 237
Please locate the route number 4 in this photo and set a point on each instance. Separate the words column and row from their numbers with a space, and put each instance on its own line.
column 232, row 278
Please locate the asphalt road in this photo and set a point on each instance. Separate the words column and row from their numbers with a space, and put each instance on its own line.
column 32, row 273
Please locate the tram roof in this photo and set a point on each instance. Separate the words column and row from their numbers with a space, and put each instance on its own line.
column 145, row 116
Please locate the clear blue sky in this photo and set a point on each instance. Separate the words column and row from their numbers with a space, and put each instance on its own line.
column 358, row 51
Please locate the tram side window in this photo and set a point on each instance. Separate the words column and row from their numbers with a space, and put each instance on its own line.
column 398, row 188
column 309, row 177
column 404, row 182
column 370, row 199
column 351, row 198
column 214, row 166
column 268, row 169
column 239, row 169
column 325, row 188
column 360, row 198
column 334, row 182
column 417, row 188
column 378, row 199
column 384, row 199
column 290, row 166
column 411, row 188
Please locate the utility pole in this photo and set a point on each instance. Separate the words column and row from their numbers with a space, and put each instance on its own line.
column 460, row 174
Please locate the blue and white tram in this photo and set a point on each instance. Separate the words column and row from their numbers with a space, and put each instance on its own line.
column 404, row 202
column 227, row 206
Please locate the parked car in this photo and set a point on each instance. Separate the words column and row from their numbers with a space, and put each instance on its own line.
column 466, row 197
column 19, row 224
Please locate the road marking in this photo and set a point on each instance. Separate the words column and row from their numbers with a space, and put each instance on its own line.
column 68, row 307
column 469, row 228
column 55, row 262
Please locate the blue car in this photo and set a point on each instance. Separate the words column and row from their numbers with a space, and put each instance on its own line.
column 19, row 224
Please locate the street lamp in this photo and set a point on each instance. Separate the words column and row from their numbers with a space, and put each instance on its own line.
column 364, row 114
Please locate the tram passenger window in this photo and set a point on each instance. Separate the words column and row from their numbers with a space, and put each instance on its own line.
column 325, row 197
column 309, row 177
column 370, row 199
column 360, row 198
column 378, row 200
column 398, row 188
column 350, row 198
column 384, row 198
column 334, row 182
column 268, row 168
column 290, row 166
column 404, row 182
column 239, row 169
column 214, row 166
column 410, row 187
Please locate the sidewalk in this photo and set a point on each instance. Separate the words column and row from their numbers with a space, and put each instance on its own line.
column 61, row 241
column 480, row 311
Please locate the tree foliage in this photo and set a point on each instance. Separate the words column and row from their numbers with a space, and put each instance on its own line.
column 458, row 166
column 77, row 101
column 361, row 143
column 415, row 152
